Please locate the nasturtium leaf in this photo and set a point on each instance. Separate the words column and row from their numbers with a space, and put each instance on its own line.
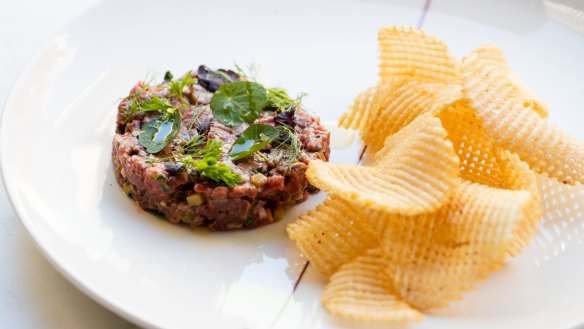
column 253, row 139
column 158, row 133
column 238, row 102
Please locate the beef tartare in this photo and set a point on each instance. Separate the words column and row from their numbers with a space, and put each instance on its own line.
column 215, row 148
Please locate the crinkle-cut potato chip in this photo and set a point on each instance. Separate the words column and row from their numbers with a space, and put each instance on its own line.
column 481, row 159
column 397, row 104
column 411, row 53
column 358, row 114
column 333, row 234
column 361, row 290
column 401, row 179
column 449, row 194
column 393, row 105
column 366, row 106
column 518, row 176
column 477, row 152
column 494, row 57
column 515, row 126
column 431, row 259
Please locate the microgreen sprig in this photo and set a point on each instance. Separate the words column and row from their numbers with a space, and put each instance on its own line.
column 209, row 166
column 176, row 87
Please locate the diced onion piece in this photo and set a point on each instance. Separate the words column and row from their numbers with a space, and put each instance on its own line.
column 195, row 200
column 127, row 188
column 258, row 180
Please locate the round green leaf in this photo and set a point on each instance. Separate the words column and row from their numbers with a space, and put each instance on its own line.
column 158, row 133
column 253, row 139
column 238, row 102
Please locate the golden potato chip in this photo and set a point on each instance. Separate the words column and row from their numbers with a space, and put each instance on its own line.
column 493, row 56
column 361, row 290
column 396, row 104
column 518, row 176
column 358, row 114
column 432, row 258
column 483, row 161
column 512, row 123
column 449, row 194
column 478, row 154
column 332, row 234
column 367, row 106
column 392, row 106
column 410, row 53
column 402, row 179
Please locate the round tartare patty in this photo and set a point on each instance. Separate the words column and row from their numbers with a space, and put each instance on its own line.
column 271, row 180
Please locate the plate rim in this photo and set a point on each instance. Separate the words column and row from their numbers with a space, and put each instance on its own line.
column 47, row 251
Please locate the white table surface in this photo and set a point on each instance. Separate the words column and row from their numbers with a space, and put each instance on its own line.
column 32, row 293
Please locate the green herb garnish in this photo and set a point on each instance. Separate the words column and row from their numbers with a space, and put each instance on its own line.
column 238, row 102
column 158, row 133
column 176, row 87
column 278, row 98
column 288, row 143
column 249, row 73
column 168, row 76
column 151, row 104
column 209, row 166
column 253, row 139
column 191, row 144
column 212, row 151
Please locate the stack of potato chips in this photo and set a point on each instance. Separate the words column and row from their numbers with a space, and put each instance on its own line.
column 451, row 192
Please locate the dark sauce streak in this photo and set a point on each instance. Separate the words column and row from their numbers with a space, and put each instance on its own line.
column 300, row 276
column 362, row 154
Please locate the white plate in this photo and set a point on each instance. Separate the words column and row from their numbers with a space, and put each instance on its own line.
column 59, row 119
